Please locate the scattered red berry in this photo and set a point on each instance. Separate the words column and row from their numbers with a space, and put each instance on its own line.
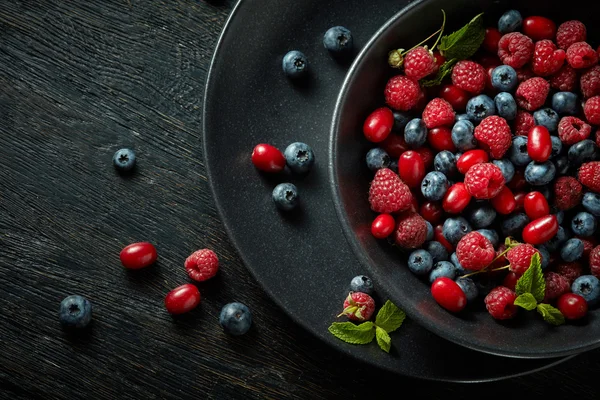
column 556, row 286
column 182, row 299
column 570, row 32
column 540, row 230
column 524, row 73
column 438, row 236
column 547, row 59
column 358, row 306
column 591, row 109
column 581, row 55
column 378, row 125
column 572, row 306
column 457, row 98
column 383, row 226
column 438, row 112
column 268, row 158
column 589, row 175
column 567, row 192
column 565, row 80
column 539, row 28
column 595, row 261
column 520, row 201
column 411, row 231
column 491, row 39
column 202, row 265
column 484, row 181
column 419, row 63
column 427, row 156
column 402, row 93
column 590, row 82
column 588, row 245
column 470, row 158
column 448, row 294
column 500, row 303
column 138, row 255
column 411, row 168
column 572, row 130
column 510, row 280
column 570, row 271
column 432, row 212
column 469, row 76
column 539, row 144
column 504, row 202
column 519, row 258
column 532, row 93
column 388, row 194
column 394, row 145
column 515, row 49
column 523, row 123
column 474, row 251
column 440, row 139
column 494, row 134
column 456, row 199
column 536, row 205
column 518, row 181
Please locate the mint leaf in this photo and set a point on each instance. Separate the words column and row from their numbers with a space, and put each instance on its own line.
column 383, row 339
column 532, row 280
column 551, row 314
column 443, row 72
column 510, row 242
column 351, row 333
column 389, row 318
column 526, row 301
column 463, row 43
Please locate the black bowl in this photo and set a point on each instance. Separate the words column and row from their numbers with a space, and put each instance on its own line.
column 526, row 336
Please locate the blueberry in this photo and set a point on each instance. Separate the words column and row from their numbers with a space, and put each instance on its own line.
column 584, row 224
column 299, row 157
column 547, row 118
column 469, row 288
column 463, row 135
column 513, row 225
column 507, row 168
column 490, row 235
column 510, row 21
column 539, row 174
column 420, row 262
column 565, row 103
column 75, row 311
column 415, row 133
column 124, row 160
column 437, row 250
column 429, row 231
column 455, row 228
column 582, row 152
column 504, row 78
column 560, row 217
column 591, row 203
column 587, row 286
column 400, row 121
column 460, row 270
column 442, row 268
column 393, row 165
column 445, row 162
column 479, row 107
column 434, row 186
column 481, row 215
column 546, row 191
column 562, row 164
column 555, row 243
column 338, row 40
column 461, row 117
column 285, row 196
column 361, row 283
column 506, row 106
column 517, row 154
column 556, row 146
column 544, row 255
column 295, row 64
column 377, row 158
column 235, row 318
column 572, row 250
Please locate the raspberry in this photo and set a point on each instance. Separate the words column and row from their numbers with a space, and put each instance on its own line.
column 500, row 303
column 411, row 231
column 590, row 82
column 438, row 112
column 402, row 93
column 565, row 80
column 532, row 93
column 202, row 265
column 595, row 261
column 556, row 285
column 469, row 76
column 519, row 258
column 588, row 245
column 388, row 193
column 581, row 55
column 515, row 49
column 591, row 109
column 419, row 62
column 567, row 192
column 523, row 123
column 484, row 180
column 589, row 175
column 547, row 59
column 572, row 130
column 358, row 306
column 493, row 133
column 474, row 251
column 571, row 271
column 570, row 32
column 524, row 73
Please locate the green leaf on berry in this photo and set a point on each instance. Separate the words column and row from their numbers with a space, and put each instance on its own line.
column 551, row 314
column 532, row 280
column 389, row 318
column 383, row 339
column 463, row 43
column 510, row 242
column 526, row 301
column 351, row 333
column 443, row 72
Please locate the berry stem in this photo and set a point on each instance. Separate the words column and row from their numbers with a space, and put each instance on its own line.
column 486, row 268
column 439, row 32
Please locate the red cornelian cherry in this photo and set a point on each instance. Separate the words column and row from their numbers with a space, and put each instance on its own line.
column 470, row 158
column 439, row 59
column 457, row 97
column 510, row 280
column 383, row 226
column 378, row 125
column 440, row 139
column 394, row 145
column 182, row 299
column 438, row 236
column 268, row 158
column 536, row 205
column 504, row 202
column 518, row 181
column 411, row 168
column 456, row 199
column 432, row 212
column 138, row 255
column 520, row 200
column 427, row 156
column 539, row 28
column 540, row 230
column 491, row 39
column 572, row 306
column 448, row 294
column 539, row 144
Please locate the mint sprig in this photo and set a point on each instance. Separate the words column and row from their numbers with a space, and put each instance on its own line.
column 463, row 43
column 444, row 71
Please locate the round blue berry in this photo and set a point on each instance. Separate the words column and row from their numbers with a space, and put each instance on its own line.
column 584, row 224
column 393, row 165
column 445, row 162
column 415, row 133
column 582, row 152
column 480, row 107
column 546, row 191
column 517, row 153
column 299, row 157
column 400, row 120
column 420, row 262
column 556, row 146
column 565, row 103
column 455, row 228
column 295, row 64
column 285, row 196
column 437, row 251
column 510, row 21
column 539, row 174
column 461, row 117
column 562, row 164
column 507, row 168
column 377, row 158
column 460, row 270
column 490, row 235
column 513, row 225
column 429, row 231
column 442, row 268
column 588, row 287
column 591, row 203
column 572, row 250
column 555, row 243
column 544, row 256
column 124, row 160
column 504, row 78
column 547, row 118
column 463, row 135
column 338, row 40
column 361, row 283
column 235, row 318
column 469, row 287
column 506, row 106
column 434, row 186
column 481, row 215
column 75, row 311
column 560, row 217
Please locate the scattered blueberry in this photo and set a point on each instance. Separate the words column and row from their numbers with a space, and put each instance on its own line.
column 463, row 135
column 539, row 174
column 582, row 152
column 506, row 106
column 556, row 146
column 587, row 286
column 469, row 288
column 420, row 262
column 547, row 118
column 75, row 311
column 235, row 318
column 584, row 224
column 124, row 160
column 299, row 157
column 565, row 103
column 555, row 243
column 481, row 215
column 490, row 235
column 510, row 21
column 455, row 228
column 513, row 225
column 361, row 283
column 338, row 40
column 504, row 78
column 295, row 64
column 544, row 255
column 461, row 117
column 442, row 268
column 517, row 154
column 400, row 121
column 572, row 250
column 560, row 217
column 377, row 158
column 460, row 270
column 445, row 162
column 429, row 231
column 591, row 203
column 394, row 165
column 479, row 107
column 437, row 250
column 434, row 186
column 415, row 133
column 562, row 164
column 507, row 168
column 285, row 196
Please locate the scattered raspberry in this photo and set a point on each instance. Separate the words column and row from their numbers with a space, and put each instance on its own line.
column 591, row 109
column 358, row 306
column 411, row 231
column 547, row 59
column 588, row 245
column 532, row 93
column 500, row 303
column 590, row 82
column 515, row 49
column 484, row 180
column 438, row 112
column 589, row 175
column 523, row 123
column 493, row 133
column 402, row 93
column 572, row 130
column 570, row 271
column 565, row 80
column 570, row 32
column 474, row 251
column 595, row 261
column 388, row 193
column 556, row 285
column 419, row 62
column 598, row 138
column 519, row 257
column 469, row 76
column 581, row 55
column 524, row 73
column 567, row 192
column 427, row 155
column 202, row 265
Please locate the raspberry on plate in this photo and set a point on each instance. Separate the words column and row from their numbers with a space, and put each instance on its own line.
column 590, row 82
column 581, row 55
column 388, row 194
column 402, row 93
column 556, row 286
column 589, row 175
column 571, row 270
column 519, row 258
column 523, row 123
column 202, row 265
column 469, row 76
column 474, row 251
column 494, row 133
column 500, row 303
column 547, row 59
column 565, row 79
column 515, row 49
column 591, row 109
column 358, row 306
column 438, row 112
column 411, row 231
column 570, row 32
column 484, row 180
column 419, row 62
column 532, row 93
column 524, row 73
column 572, row 130
column 567, row 192
column 595, row 261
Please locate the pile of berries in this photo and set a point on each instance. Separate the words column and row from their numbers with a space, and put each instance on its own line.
column 506, row 146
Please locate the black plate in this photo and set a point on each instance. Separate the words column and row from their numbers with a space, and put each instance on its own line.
column 302, row 259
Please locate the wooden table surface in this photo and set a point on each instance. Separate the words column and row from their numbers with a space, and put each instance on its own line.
column 78, row 80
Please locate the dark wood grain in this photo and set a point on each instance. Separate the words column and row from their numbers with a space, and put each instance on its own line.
column 78, row 80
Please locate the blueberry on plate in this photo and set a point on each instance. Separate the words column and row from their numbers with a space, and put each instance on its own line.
column 480, row 107
column 588, row 287
column 517, row 153
column 504, row 78
column 235, row 318
column 285, row 196
column 469, row 287
column 420, row 262
column 584, row 224
column 442, row 268
column 400, row 120
column 507, row 168
column 445, row 162
column 481, row 215
column 299, row 157
column 434, row 186
column 572, row 250
column 540, row 174
column 547, row 118
column 490, row 235
column 463, row 135
column 455, row 228
column 415, row 133
column 437, row 250
column 556, row 146
column 510, row 21
column 514, row 224
column 582, row 152
column 377, row 158
column 506, row 106
column 124, row 160
column 295, row 64
column 75, row 311
column 565, row 103
column 338, row 40
column 591, row 203
column 361, row 283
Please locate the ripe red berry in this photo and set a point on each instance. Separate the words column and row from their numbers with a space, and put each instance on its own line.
column 572, row 306
column 419, row 62
column 532, row 93
column 378, row 125
column 426, row 155
column 394, row 145
column 510, row 280
column 539, row 28
column 182, row 299
column 202, row 265
column 504, row 202
column 440, row 139
column 536, row 205
column 411, row 168
column 474, row 251
column 358, row 306
column 457, row 97
column 500, row 303
column 138, row 255
column 268, row 158
column 570, row 32
column 402, row 93
column 491, row 39
column 439, row 59
column 383, row 226
column 567, row 192
column 565, row 79
column 581, row 55
column 484, row 181
column 591, row 109
column 456, row 199
column 540, row 230
column 515, row 49
column 539, row 144
column 388, row 193
column 438, row 236
column 523, row 123
column 411, row 231
column 518, row 181
column 432, row 212
column 469, row 76
column 547, row 59
column 520, row 200
column 448, row 294
column 470, row 158
column 589, row 175
column 494, row 135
